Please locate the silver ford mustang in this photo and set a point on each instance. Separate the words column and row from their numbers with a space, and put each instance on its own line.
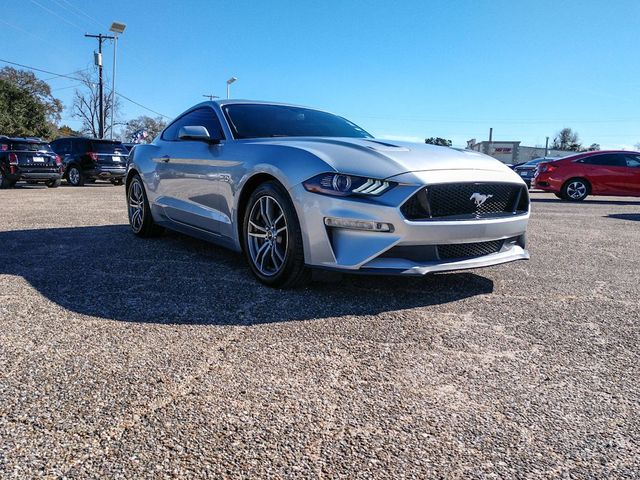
column 296, row 188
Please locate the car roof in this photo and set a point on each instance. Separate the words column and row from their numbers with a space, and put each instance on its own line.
column 597, row 152
column 252, row 102
column 89, row 138
column 5, row 138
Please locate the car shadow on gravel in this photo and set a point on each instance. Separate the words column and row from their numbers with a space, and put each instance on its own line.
column 107, row 272
column 634, row 217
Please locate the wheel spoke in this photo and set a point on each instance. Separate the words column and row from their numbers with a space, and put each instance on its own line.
column 266, row 242
column 278, row 254
column 257, row 227
column 278, row 219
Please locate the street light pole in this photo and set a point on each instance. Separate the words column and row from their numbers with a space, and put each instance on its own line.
column 98, row 61
column 229, row 82
column 116, row 28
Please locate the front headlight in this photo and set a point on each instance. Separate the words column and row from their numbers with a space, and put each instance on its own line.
column 345, row 185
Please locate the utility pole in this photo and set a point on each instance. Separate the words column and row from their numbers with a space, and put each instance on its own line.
column 98, row 61
column 211, row 97
column 546, row 148
column 488, row 149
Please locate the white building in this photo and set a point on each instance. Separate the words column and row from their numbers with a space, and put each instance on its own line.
column 511, row 152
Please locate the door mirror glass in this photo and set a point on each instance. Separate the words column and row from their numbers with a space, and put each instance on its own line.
column 195, row 132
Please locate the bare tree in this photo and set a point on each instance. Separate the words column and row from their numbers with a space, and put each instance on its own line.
column 86, row 105
column 144, row 129
column 566, row 139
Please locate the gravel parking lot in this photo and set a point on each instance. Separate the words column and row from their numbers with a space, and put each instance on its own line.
column 130, row 358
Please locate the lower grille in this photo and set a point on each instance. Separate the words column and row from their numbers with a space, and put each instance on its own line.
column 464, row 201
column 469, row 250
column 433, row 253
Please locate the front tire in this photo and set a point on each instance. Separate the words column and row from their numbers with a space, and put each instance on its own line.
column 53, row 183
column 272, row 239
column 575, row 189
column 140, row 218
column 75, row 176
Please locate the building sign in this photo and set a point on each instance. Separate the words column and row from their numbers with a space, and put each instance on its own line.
column 502, row 150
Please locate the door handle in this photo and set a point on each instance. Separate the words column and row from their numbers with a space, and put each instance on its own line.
column 165, row 158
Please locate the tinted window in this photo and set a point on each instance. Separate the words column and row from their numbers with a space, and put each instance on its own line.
column 30, row 147
column 79, row 146
column 610, row 160
column 61, row 147
column 203, row 117
column 633, row 161
column 107, row 147
column 259, row 121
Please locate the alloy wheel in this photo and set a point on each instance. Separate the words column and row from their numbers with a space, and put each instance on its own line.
column 267, row 236
column 136, row 206
column 576, row 190
column 74, row 176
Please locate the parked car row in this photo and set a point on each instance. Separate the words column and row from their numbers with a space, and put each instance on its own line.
column 79, row 160
column 30, row 159
column 591, row 173
column 526, row 170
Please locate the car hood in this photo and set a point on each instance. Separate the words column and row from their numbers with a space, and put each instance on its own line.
column 383, row 159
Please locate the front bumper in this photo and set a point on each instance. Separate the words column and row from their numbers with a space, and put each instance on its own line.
column 361, row 251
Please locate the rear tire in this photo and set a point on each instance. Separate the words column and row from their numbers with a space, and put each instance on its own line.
column 140, row 218
column 53, row 183
column 5, row 182
column 272, row 239
column 75, row 176
column 575, row 189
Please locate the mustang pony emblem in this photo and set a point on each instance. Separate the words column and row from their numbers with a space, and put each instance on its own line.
column 480, row 198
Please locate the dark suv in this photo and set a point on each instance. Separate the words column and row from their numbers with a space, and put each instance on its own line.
column 90, row 159
column 30, row 159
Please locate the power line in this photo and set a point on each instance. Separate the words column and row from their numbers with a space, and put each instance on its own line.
column 70, row 73
column 140, row 105
column 73, row 78
column 57, row 15
column 82, row 12
column 40, row 69
column 75, row 12
column 66, row 88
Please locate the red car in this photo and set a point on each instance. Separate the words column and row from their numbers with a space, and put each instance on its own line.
column 592, row 173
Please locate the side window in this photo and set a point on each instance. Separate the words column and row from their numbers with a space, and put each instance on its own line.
column 171, row 132
column 61, row 147
column 606, row 159
column 204, row 117
column 633, row 161
column 79, row 146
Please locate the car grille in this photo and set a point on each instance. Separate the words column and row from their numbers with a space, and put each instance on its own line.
column 463, row 201
column 466, row 250
column 458, row 251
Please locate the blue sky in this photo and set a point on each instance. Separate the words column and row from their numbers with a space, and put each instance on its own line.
column 406, row 69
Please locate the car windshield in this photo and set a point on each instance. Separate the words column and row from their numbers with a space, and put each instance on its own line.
column 30, row 147
column 108, row 147
column 260, row 121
